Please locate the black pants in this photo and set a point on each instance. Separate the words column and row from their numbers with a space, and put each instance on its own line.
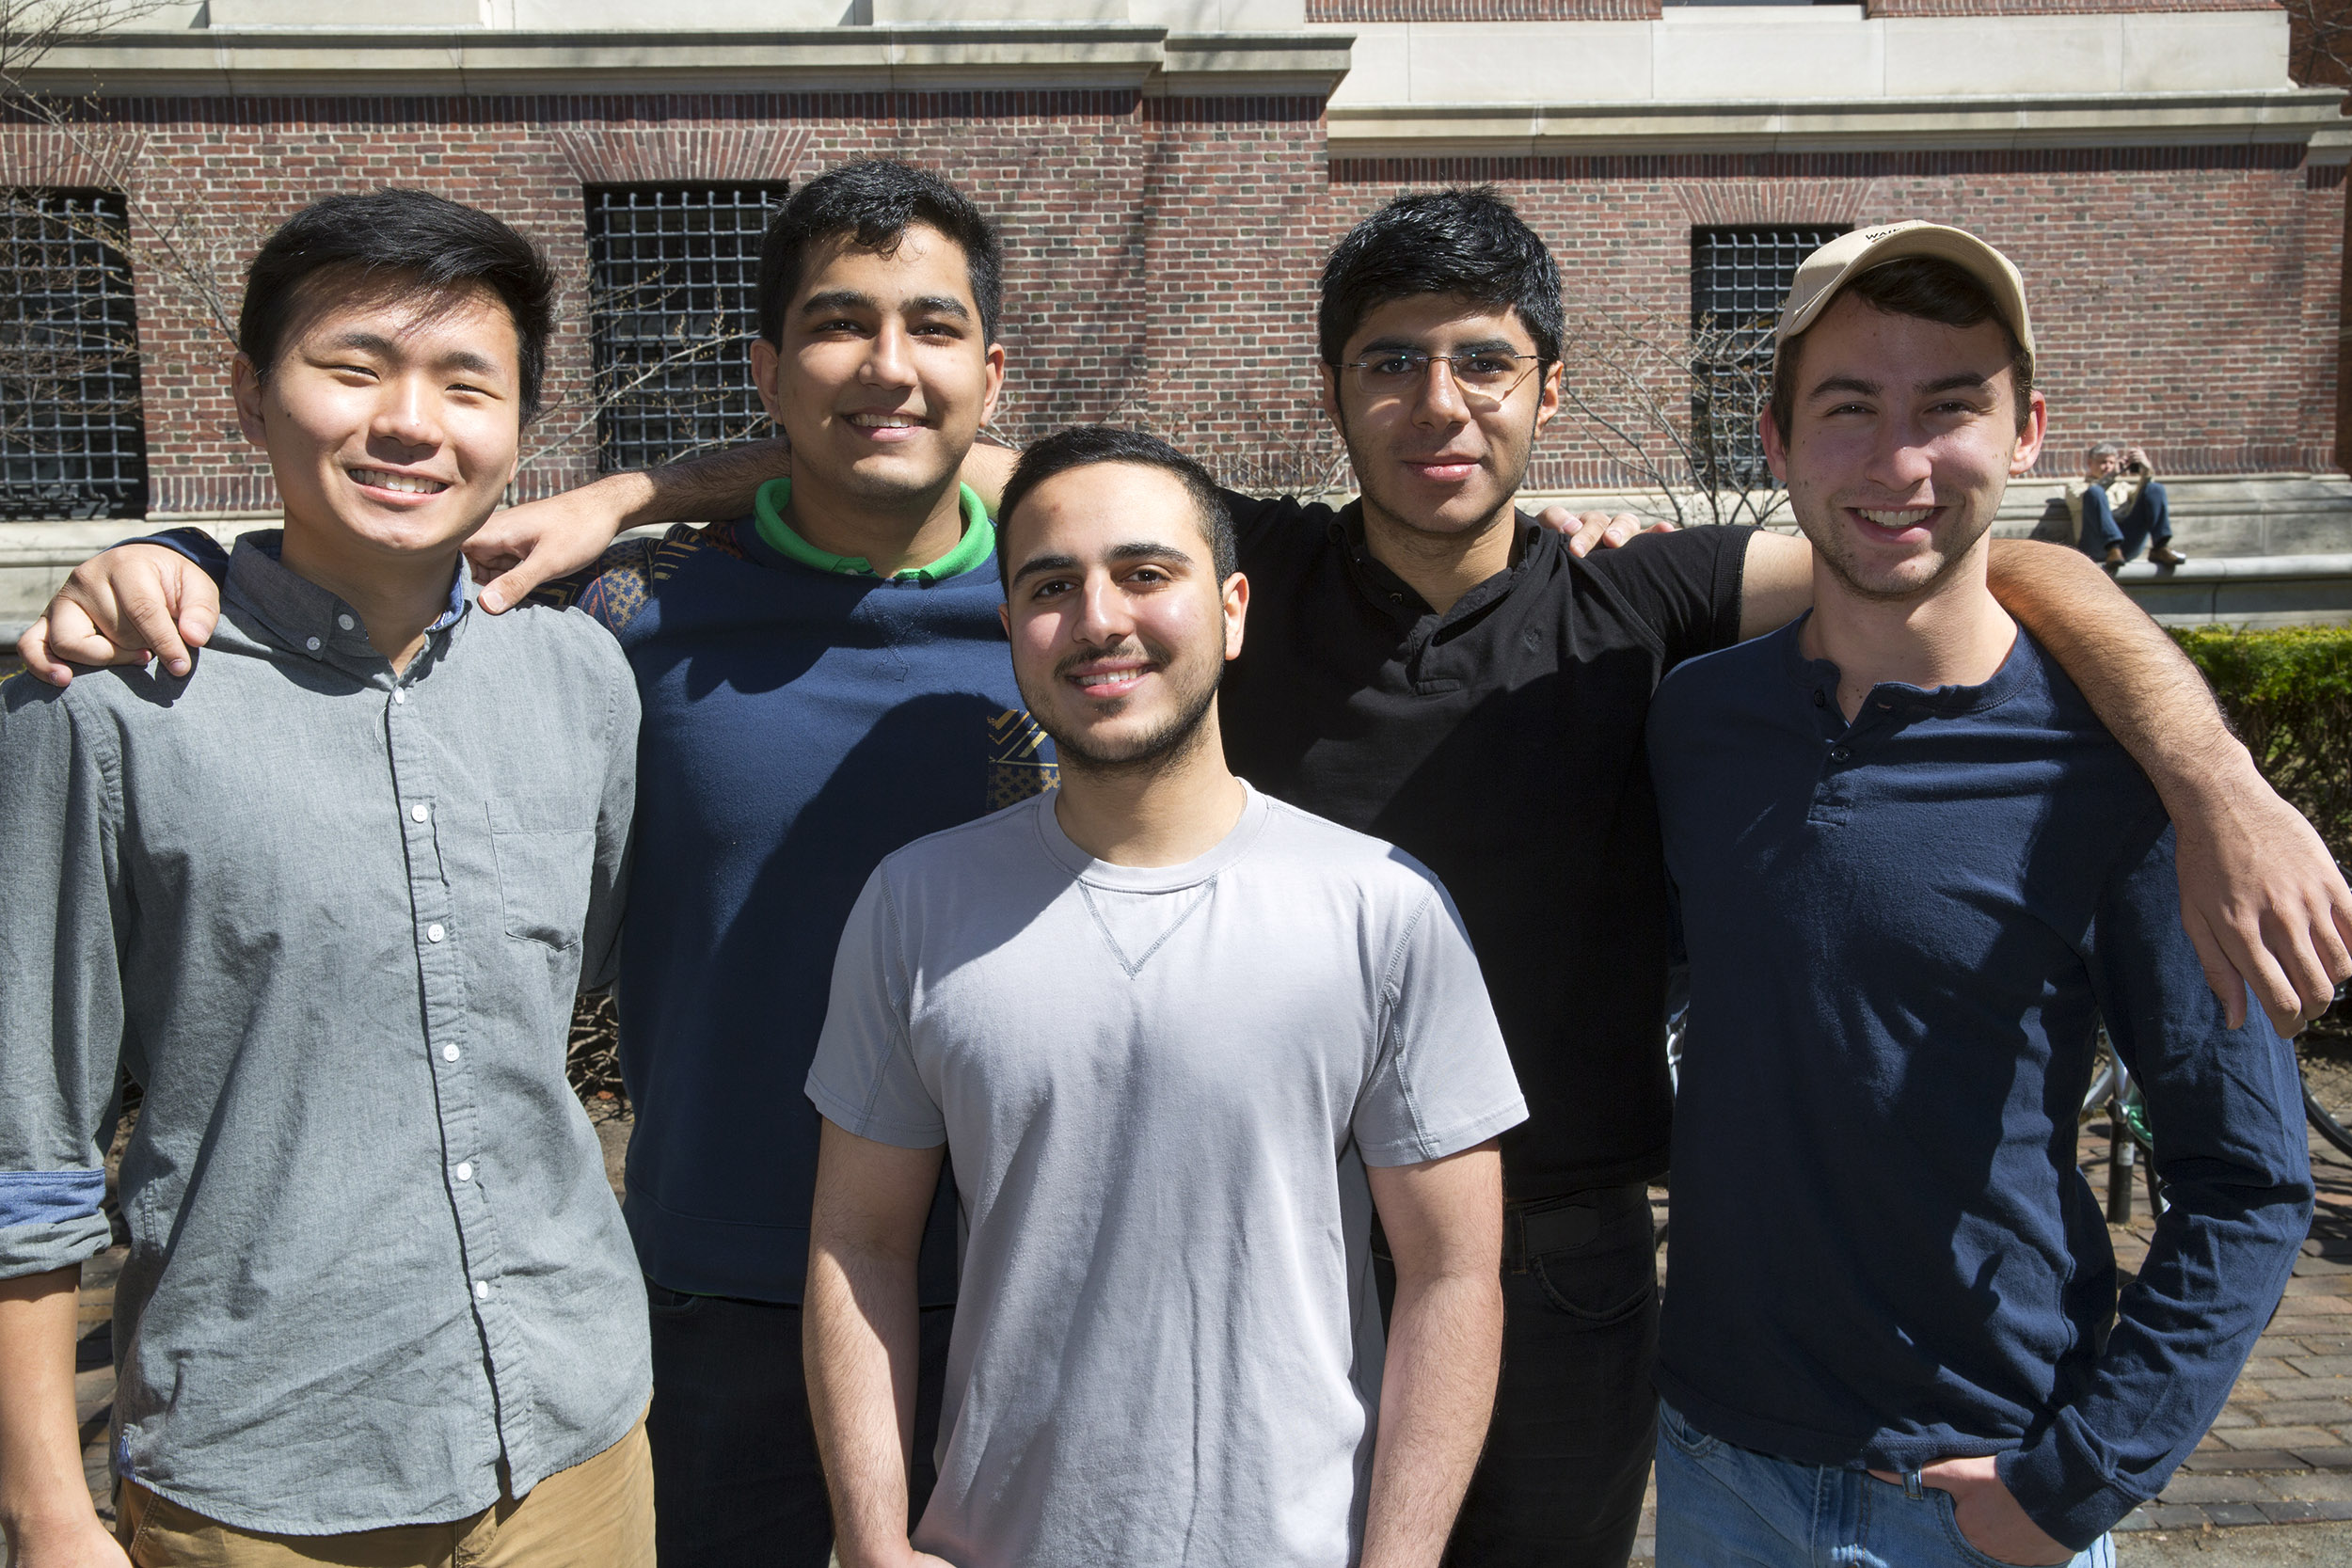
column 735, row 1477
column 1576, row 1420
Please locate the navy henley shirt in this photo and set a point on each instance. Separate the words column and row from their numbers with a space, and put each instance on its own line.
column 1904, row 934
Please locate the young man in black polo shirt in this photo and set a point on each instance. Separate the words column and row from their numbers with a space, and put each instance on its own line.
column 1435, row 668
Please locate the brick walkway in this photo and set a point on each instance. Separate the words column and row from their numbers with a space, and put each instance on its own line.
column 2281, row 1452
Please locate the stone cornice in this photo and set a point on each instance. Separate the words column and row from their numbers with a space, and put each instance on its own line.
column 487, row 62
column 2282, row 114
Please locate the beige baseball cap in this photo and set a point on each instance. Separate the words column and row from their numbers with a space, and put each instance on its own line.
column 1829, row 269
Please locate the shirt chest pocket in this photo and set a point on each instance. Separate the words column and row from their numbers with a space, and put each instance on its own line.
column 546, row 858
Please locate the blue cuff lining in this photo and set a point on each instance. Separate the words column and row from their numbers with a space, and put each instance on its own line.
column 50, row 1196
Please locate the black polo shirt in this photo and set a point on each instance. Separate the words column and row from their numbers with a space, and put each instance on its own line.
column 1501, row 744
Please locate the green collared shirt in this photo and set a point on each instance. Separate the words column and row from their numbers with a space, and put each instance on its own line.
column 979, row 538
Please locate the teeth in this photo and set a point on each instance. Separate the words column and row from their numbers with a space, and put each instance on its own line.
column 1106, row 678
column 413, row 485
column 884, row 421
column 1907, row 518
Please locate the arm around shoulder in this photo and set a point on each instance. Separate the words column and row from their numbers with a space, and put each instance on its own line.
column 2261, row 897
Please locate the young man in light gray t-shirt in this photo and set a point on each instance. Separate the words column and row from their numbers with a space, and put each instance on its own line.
column 1180, row 1041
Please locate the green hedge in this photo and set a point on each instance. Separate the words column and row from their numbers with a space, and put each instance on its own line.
column 2289, row 693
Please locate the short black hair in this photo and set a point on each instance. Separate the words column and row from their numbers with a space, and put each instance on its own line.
column 1927, row 287
column 410, row 243
column 1084, row 445
column 1460, row 240
column 874, row 201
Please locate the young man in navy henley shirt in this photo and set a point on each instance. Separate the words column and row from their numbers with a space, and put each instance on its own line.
column 1914, row 875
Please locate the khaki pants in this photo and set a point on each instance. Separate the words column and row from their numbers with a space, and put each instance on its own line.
column 596, row 1514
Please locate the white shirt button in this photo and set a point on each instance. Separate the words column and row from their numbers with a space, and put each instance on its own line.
column 345, row 621
column 482, row 1290
column 311, row 643
column 433, row 932
column 398, row 695
column 465, row 1170
column 448, row 1053
column 420, row 811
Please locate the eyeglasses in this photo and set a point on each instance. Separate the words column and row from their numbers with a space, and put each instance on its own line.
column 1484, row 376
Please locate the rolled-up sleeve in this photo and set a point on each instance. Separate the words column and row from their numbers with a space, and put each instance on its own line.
column 60, row 990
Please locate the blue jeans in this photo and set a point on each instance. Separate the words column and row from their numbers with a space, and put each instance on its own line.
column 2149, row 522
column 1719, row 1505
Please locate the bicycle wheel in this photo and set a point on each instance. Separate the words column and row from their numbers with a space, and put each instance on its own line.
column 2324, row 1054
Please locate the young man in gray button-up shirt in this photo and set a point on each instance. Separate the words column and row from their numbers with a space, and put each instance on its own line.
column 376, row 1281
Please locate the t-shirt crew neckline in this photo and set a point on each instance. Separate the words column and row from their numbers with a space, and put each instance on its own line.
column 1065, row 853
column 977, row 543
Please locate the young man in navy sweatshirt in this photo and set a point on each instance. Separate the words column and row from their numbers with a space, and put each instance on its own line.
column 1916, row 873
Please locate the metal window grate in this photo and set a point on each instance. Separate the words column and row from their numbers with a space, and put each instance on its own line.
column 672, row 271
column 72, row 435
column 1739, row 278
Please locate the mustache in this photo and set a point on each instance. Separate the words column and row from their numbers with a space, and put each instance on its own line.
column 1131, row 648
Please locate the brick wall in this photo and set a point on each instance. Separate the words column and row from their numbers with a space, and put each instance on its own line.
column 2183, row 296
column 1163, row 253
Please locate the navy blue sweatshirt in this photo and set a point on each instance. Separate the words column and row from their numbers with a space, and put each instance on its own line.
column 799, row 725
column 1903, row 933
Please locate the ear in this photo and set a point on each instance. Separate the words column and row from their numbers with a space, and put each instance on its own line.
column 2029, row 439
column 1775, row 446
column 1548, row 403
column 245, row 390
column 996, row 382
column 1003, row 619
column 1236, row 597
column 767, row 375
column 1331, row 399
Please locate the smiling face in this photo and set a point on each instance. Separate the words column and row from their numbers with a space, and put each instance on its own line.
column 886, row 375
column 1904, row 434
column 1120, row 626
column 1437, row 457
column 392, row 420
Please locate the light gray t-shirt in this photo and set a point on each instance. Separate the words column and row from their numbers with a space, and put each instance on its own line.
column 1158, row 1087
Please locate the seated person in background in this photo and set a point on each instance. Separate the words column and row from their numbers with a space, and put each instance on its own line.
column 1916, row 873
column 2118, row 505
column 327, row 895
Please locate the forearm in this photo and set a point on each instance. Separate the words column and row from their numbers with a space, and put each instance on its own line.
column 41, row 1484
column 2184, row 1329
column 860, row 1343
column 2136, row 678
column 699, row 489
column 1437, row 1395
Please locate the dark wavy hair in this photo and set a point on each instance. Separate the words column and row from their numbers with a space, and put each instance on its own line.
column 1463, row 241
column 409, row 242
column 1082, row 447
column 874, row 201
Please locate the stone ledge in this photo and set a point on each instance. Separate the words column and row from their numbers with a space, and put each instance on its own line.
column 477, row 62
column 2282, row 114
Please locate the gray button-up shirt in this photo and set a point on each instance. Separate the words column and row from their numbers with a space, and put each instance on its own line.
column 332, row 919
